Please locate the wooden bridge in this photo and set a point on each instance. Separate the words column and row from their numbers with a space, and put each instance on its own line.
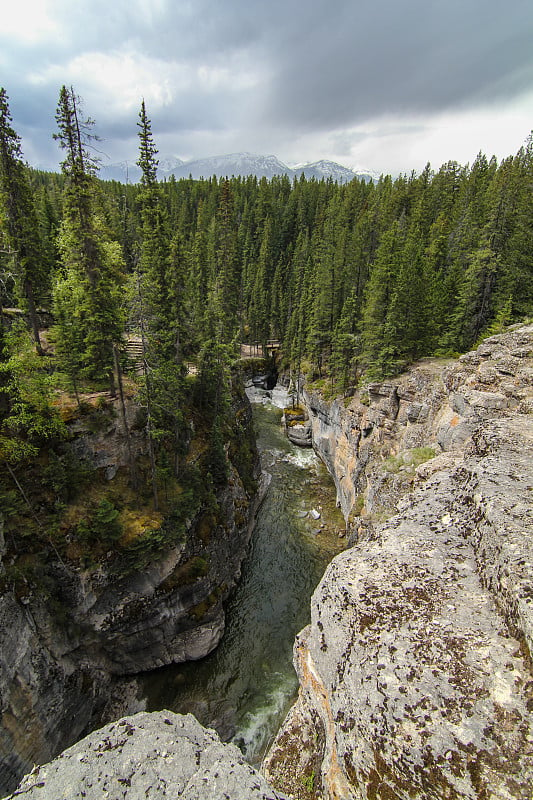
column 260, row 349
column 133, row 347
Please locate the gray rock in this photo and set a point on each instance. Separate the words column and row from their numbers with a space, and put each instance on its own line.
column 300, row 435
column 66, row 665
column 156, row 756
column 411, row 668
column 416, row 668
column 418, row 412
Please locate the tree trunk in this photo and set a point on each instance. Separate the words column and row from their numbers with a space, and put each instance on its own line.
column 134, row 478
column 28, row 291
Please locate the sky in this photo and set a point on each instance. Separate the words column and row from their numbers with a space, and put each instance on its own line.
column 383, row 85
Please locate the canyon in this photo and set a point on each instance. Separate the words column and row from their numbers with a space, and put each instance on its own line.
column 415, row 671
column 70, row 646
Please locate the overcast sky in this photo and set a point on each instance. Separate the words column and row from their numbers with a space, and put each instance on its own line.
column 386, row 85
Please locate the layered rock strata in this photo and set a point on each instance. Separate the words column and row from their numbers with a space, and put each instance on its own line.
column 416, row 668
column 159, row 756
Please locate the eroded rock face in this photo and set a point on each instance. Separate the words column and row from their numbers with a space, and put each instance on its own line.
column 154, row 756
column 66, row 662
column 417, row 662
column 435, row 404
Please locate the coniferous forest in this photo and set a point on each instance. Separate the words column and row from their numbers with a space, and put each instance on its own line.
column 354, row 281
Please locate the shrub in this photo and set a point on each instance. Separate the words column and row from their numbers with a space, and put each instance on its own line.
column 102, row 525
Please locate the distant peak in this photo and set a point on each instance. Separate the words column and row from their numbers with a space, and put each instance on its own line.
column 238, row 164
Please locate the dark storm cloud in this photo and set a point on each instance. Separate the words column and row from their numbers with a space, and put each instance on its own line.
column 314, row 65
column 341, row 62
column 365, row 59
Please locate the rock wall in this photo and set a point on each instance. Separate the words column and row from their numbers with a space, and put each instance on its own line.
column 415, row 672
column 66, row 658
column 158, row 756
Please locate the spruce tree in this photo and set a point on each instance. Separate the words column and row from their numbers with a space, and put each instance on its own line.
column 161, row 278
column 227, row 293
column 20, row 218
column 155, row 245
column 378, row 347
column 90, row 261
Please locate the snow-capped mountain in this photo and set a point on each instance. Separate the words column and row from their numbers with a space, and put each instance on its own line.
column 169, row 164
column 129, row 172
column 124, row 172
column 325, row 169
column 234, row 164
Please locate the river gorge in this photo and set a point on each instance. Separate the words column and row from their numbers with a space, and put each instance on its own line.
column 414, row 668
column 244, row 688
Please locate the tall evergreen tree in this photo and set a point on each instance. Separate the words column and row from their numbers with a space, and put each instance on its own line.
column 227, row 293
column 20, row 217
column 155, row 244
column 161, row 288
column 90, row 261
column 378, row 347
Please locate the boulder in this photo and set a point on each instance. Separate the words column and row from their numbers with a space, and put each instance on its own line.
column 160, row 755
column 300, row 434
column 417, row 659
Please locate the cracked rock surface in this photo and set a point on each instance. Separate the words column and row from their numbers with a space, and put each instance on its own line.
column 417, row 661
column 156, row 756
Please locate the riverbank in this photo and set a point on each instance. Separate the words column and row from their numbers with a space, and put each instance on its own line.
column 415, row 672
column 245, row 687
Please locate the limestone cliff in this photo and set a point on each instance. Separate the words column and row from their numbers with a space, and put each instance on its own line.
column 70, row 641
column 155, row 756
column 415, row 672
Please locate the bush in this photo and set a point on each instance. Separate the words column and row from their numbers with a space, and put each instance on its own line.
column 102, row 525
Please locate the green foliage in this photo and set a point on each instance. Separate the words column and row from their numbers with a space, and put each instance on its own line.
column 216, row 461
column 363, row 277
column 308, row 782
column 213, row 382
column 354, row 281
column 32, row 419
column 89, row 290
column 19, row 218
column 359, row 504
column 101, row 526
column 410, row 459
column 65, row 475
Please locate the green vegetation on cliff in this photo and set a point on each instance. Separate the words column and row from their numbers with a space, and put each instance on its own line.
column 111, row 444
column 152, row 288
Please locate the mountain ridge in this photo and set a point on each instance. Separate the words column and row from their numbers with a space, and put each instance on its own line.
column 234, row 164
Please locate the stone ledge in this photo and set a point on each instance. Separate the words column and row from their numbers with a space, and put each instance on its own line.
column 163, row 756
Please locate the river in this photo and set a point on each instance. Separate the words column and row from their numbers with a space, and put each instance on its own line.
column 245, row 687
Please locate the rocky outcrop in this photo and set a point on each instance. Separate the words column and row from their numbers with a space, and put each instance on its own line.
column 436, row 404
column 416, row 668
column 159, row 756
column 67, row 652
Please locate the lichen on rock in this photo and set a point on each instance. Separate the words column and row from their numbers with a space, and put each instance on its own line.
column 160, row 755
column 418, row 657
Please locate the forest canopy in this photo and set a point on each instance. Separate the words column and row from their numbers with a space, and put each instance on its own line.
column 133, row 301
column 355, row 281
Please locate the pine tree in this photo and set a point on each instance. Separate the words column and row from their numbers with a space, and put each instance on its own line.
column 227, row 283
column 406, row 322
column 346, row 340
column 378, row 348
column 90, row 261
column 516, row 278
column 20, row 217
column 155, row 246
column 161, row 276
